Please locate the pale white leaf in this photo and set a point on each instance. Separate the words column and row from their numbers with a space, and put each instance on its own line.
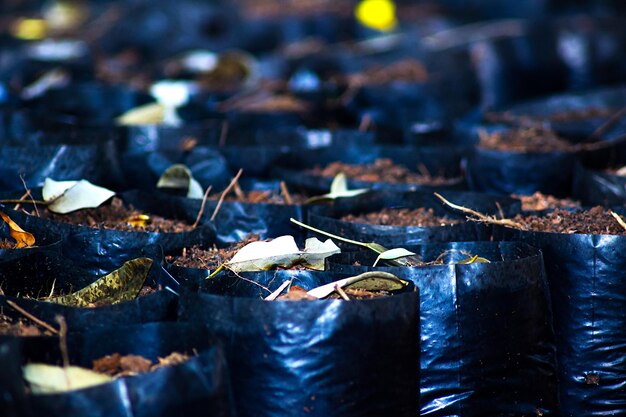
column 49, row 379
column 148, row 114
column 178, row 176
column 54, row 189
column 80, row 196
column 393, row 254
column 282, row 251
column 324, row 291
column 339, row 184
column 333, row 196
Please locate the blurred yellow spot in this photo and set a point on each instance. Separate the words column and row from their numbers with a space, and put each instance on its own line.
column 29, row 29
column 141, row 220
column 377, row 14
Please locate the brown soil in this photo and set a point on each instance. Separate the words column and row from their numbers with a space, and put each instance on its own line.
column 276, row 9
column 581, row 114
column 382, row 170
column 196, row 257
column 539, row 201
column 258, row 197
column 406, row 70
column 18, row 327
column 7, row 244
column 117, row 365
column 596, row 220
column 530, row 140
column 118, row 216
column 267, row 104
column 420, row 217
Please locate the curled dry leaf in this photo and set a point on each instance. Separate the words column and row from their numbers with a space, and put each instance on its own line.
column 123, row 284
column 179, row 177
column 23, row 239
column 371, row 281
column 393, row 254
column 49, row 379
column 338, row 189
column 282, row 251
column 67, row 196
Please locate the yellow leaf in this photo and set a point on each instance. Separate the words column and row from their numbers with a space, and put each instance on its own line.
column 148, row 114
column 140, row 220
column 123, row 284
column 29, row 29
column 22, row 238
column 377, row 14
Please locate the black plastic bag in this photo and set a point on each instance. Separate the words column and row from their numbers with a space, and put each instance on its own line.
column 586, row 278
column 198, row 387
column 504, row 172
column 487, row 338
column 319, row 358
column 102, row 250
column 593, row 187
column 327, row 218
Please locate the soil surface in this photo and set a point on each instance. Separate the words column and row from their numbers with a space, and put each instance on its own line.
column 118, row 216
column 20, row 327
column 117, row 365
column 596, row 220
column 539, row 201
column 276, row 9
column 530, row 140
column 581, row 114
column 196, row 257
column 407, row 70
column 382, row 170
column 258, row 197
column 420, row 217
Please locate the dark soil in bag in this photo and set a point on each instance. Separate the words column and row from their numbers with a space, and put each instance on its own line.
column 395, row 219
column 378, row 167
column 585, row 267
column 486, row 327
column 193, row 380
column 100, row 249
column 321, row 358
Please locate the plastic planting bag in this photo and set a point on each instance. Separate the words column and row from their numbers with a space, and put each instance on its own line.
column 587, row 283
column 319, row 358
column 196, row 386
column 487, row 345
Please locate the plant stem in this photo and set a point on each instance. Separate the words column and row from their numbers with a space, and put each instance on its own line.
column 330, row 235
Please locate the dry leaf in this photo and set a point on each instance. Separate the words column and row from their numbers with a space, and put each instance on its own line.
column 22, row 238
column 49, row 379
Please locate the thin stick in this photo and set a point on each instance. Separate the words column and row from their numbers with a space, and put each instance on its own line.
column 17, row 206
column 225, row 192
column 29, row 194
column 341, row 292
column 22, row 201
column 63, row 340
column 481, row 217
column 366, row 122
column 330, row 235
column 32, row 318
column 199, row 216
column 609, row 123
column 239, row 192
column 278, row 291
column 619, row 219
column 285, row 192
column 500, row 209
column 223, row 134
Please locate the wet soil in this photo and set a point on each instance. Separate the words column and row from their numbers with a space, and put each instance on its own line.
column 596, row 220
column 118, row 216
column 116, row 365
column 382, row 170
column 420, row 217
column 539, row 201
column 525, row 140
column 199, row 258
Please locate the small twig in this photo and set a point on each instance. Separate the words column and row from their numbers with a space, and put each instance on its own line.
column 63, row 340
column 32, row 318
column 285, row 192
column 330, row 235
column 341, row 292
column 223, row 134
column 366, row 122
column 239, row 192
column 609, row 123
column 481, row 217
column 619, row 219
column 17, row 206
column 500, row 209
column 29, row 194
column 225, row 192
column 22, row 201
column 199, row 216
column 278, row 291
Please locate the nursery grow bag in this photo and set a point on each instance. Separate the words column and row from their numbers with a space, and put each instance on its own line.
column 319, row 358
column 487, row 344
